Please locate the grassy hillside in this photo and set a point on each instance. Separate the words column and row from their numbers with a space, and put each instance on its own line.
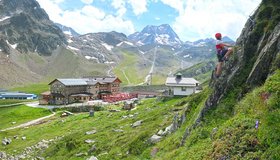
column 110, row 144
column 201, row 71
column 32, row 88
column 133, row 68
column 226, row 130
column 229, row 130
column 19, row 114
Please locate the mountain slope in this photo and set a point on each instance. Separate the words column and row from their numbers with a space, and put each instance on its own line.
column 26, row 27
column 67, row 30
column 224, row 128
column 162, row 34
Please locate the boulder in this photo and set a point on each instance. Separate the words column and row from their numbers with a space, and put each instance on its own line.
column 89, row 141
column 160, row 132
column 137, row 123
column 92, row 158
column 3, row 155
column 23, row 138
column 117, row 130
column 6, row 141
column 92, row 149
column 154, row 139
column 91, row 132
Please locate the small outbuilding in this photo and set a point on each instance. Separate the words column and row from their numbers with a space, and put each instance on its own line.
column 181, row 86
column 17, row 95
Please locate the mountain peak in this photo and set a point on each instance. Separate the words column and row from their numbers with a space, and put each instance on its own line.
column 151, row 34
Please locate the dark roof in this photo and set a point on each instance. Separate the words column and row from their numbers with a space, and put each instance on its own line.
column 85, row 81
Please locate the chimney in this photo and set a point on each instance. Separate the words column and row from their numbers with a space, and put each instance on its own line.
column 178, row 76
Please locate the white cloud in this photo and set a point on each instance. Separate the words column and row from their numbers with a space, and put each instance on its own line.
column 88, row 19
column 87, row 1
column 120, row 6
column 203, row 18
column 157, row 18
column 176, row 4
column 138, row 7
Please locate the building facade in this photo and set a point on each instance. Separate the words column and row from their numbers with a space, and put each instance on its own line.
column 180, row 86
column 65, row 91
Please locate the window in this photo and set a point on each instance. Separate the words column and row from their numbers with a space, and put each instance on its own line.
column 184, row 89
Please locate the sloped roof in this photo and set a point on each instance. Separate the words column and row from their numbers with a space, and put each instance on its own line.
column 85, row 81
column 173, row 81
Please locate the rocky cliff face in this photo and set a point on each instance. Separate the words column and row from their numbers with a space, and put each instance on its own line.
column 26, row 27
column 256, row 55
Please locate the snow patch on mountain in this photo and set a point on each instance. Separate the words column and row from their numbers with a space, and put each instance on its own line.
column 91, row 58
column 73, row 48
column 14, row 46
column 107, row 46
column 3, row 19
column 109, row 62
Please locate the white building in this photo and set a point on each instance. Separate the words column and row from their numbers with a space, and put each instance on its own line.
column 181, row 86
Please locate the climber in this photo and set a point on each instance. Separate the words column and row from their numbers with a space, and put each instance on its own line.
column 224, row 50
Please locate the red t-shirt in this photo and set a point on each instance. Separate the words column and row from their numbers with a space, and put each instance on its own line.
column 219, row 45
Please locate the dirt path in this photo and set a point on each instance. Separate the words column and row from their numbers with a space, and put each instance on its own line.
column 126, row 76
column 33, row 122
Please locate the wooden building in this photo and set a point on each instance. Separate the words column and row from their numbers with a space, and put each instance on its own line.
column 65, row 91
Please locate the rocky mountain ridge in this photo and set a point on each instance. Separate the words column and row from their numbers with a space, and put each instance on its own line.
column 26, row 27
column 163, row 35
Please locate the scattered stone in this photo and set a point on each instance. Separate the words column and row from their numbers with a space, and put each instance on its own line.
column 23, row 138
column 154, row 139
column 136, row 113
column 42, row 145
column 92, row 149
column 81, row 154
column 40, row 158
column 137, row 123
column 89, row 141
column 117, row 130
column 160, row 133
column 154, row 151
column 114, row 110
column 14, row 122
column 15, row 137
column 21, row 156
column 131, row 116
column 6, row 141
column 91, row 132
column 3, row 155
column 92, row 158
column 124, row 117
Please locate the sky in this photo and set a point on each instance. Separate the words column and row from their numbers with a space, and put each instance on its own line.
column 190, row 19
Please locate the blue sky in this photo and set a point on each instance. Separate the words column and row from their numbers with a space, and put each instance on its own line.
column 190, row 19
